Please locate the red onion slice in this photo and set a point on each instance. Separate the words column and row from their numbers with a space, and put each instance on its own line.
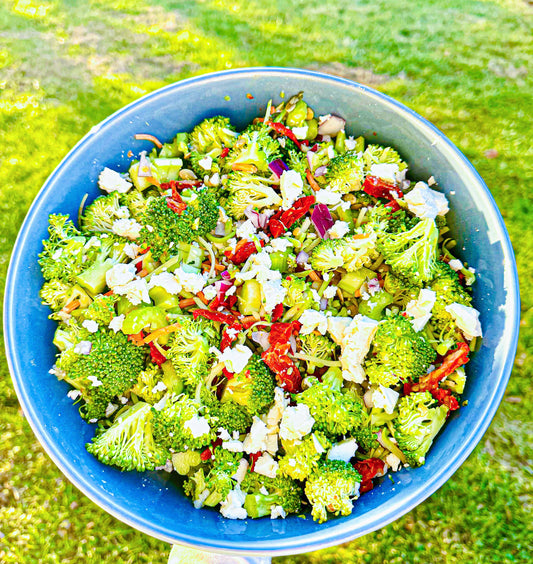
column 144, row 170
column 225, row 275
column 323, row 304
column 321, row 171
column 278, row 167
column 322, row 220
column 292, row 342
column 222, row 286
column 261, row 338
column 331, row 126
column 302, row 257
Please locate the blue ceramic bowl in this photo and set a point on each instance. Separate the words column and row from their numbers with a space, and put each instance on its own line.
column 152, row 502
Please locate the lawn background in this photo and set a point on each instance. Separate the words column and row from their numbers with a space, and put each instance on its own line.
column 464, row 65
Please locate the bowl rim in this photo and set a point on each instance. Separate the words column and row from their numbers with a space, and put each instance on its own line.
column 344, row 530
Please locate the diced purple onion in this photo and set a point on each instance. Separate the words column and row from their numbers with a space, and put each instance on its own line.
column 302, row 257
column 261, row 338
column 144, row 170
column 259, row 220
column 222, row 286
column 322, row 220
column 321, row 170
column 323, row 304
column 225, row 275
column 331, row 126
column 292, row 343
column 220, row 229
column 380, row 441
column 278, row 167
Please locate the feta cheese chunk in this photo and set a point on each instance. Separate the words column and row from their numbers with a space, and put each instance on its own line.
column 127, row 228
column 198, row 426
column 467, row 319
column 190, row 281
column 300, row 132
column 232, row 506
column 241, row 470
column 256, row 439
column 165, row 280
column 120, row 275
column 235, row 359
column 420, row 309
column 116, row 323
column 291, row 187
column 280, row 244
column 90, row 325
column 355, row 345
column 277, row 511
column 330, row 292
column 425, row 202
column 135, row 291
column 385, row 398
column 111, row 181
column 206, row 162
column 345, row 450
column 311, row 320
column 276, row 411
column 246, row 230
column 386, row 171
column 456, row 264
column 328, row 197
column 273, row 294
column 339, row 229
column 337, row 327
column 266, row 466
column 296, row 422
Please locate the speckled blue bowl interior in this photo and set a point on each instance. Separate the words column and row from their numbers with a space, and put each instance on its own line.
column 153, row 502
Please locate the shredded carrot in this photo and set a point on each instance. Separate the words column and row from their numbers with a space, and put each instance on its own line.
column 143, row 273
column 357, row 293
column 314, row 276
column 244, row 167
column 248, row 319
column 311, row 179
column 218, row 267
column 70, row 307
column 187, row 302
column 202, row 298
column 148, row 137
column 110, row 293
column 136, row 338
column 160, row 332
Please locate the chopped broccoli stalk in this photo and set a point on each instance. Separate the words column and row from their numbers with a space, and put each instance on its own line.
column 456, row 381
column 57, row 294
column 253, row 388
column 398, row 353
column 418, row 422
column 129, row 443
column 331, row 488
column 184, row 462
column 319, row 347
column 144, row 317
column 144, row 182
column 168, row 169
column 177, row 148
column 345, row 173
column 281, row 491
column 351, row 282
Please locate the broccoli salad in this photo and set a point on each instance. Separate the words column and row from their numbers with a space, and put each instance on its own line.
column 274, row 314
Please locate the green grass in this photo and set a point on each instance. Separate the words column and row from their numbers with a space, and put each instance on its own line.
column 65, row 65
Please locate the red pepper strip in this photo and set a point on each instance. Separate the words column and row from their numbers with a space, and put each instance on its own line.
column 213, row 316
column 298, row 210
column 176, row 185
column 393, row 205
column 206, row 454
column 214, row 303
column 276, row 228
column 445, row 397
column 229, row 375
column 225, row 153
column 243, row 250
column 368, row 470
column 290, row 379
column 229, row 335
column 450, row 364
column 379, row 188
column 136, row 338
column 277, row 313
column 282, row 130
column 177, row 207
column 281, row 332
column 253, row 459
column 278, row 361
column 155, row 355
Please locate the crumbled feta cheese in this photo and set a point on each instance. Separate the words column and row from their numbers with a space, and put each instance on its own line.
column 94, row 381
column 276, row 411
column 345, row 450
column 90, row 325
column 280, row 244
column 316, row 296
column 330, row 151
column 300, row 132
column 373, row 286
column 330, row 292
column 198, row 426
column 273, row 294
column 277, row 511
column 266, row 466
column 350, row 143
column 116, row 323
column 420, row 309
column 385, row 171
column 425, row 202
column 355, row 346
column 159, row 387
column 135, row 291
column 311, row 320
column 291, row 187
column 83, row 347
column 467, row 319
column 339, row 229
column 223, row 434
column 246, row 230
column 337, row 327
column 255, row 440
column 296, row 422
column 272, row 443
column 235, row 359
column 190, row 281
column 241, row 470
column 120, row 275
column 110, row 409
column 127, row 228
column 232, row 506
column 131, row 250
column 206, row 162
column 111, row 181
column 74, row 394
column 456, row 264
column 210, row 292
column 393, row 461
column 328, row 197
column 431, row 181
column 233, row 445
column 165, row 280
column 385, row 398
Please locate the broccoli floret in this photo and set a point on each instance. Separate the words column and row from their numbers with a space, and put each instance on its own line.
column 336, row 411
column 412, row 254
column 137, row 202
column 282, row 491
column 102, row 309
column 254, row 147
column 109, row 253
column 331, row 488
column 376, row 154
column 163, row 226
column 249, row 190
column 109, row 370
column 327, row 255
column 456, row 381
column 129, row 443
column 418, row 422
column 189, row 349
column 219, row 481
column 345, row 173
column 319, row 347
column 398, row 353
column 177, row 148
column 199, row 167
column 149, row 385
column 65, row 253
column 212, row 133
column 301, row 457
column 253, row 388
column 182, row 423
column 298, row 297
column 229, row 414
column 358, row 251
column 57, row 294
column 374, row 306
column 293, row 157
column 68, row 334
column 401, row 289
column 102, row 213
